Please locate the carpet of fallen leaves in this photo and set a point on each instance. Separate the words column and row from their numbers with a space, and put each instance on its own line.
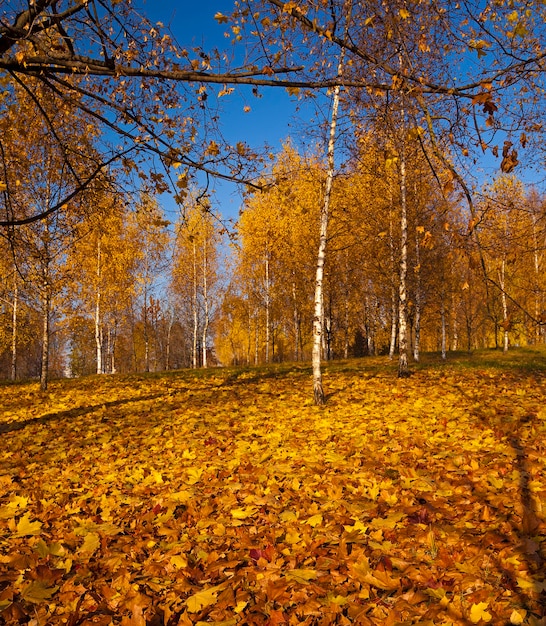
column 226, row 497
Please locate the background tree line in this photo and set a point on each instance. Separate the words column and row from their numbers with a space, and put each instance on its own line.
column 102, row 111
column 109, row 285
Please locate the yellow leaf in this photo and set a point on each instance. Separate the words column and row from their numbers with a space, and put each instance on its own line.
column 288, row 516
column 404, row 14
column 3, row 186
column 37, row 592
column 25, row 527
column 292, row 537
column 337, row 600
column 201, row 599
column 220, row 18
column 90, row 543
column 181, row 497
column 520, row 31
column 314, row 520
column 179, row 561
column 382, row 580
column 531, row 585
column 16, row 503
column 388, row 522
column 516, row 617
column 244, row 513
column 478, row 612
column 357, row 526
column 194, row 475
column 241, row 605
column 301, row 575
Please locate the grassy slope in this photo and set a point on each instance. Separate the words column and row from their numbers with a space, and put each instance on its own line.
column 226, row 497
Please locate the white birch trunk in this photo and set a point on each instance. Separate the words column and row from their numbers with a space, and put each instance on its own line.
column 256, row 339
column 538, row 293
column 194, row 307
column 168, row 342
column 403, row 369
column 46, row 306
column 444, row 334
column 267, row 307
column 504, row 301
column 454, row 325
column 318, row 390
column 205, row 302
column 418, row 299
column 14, row 329
column 296, row 317
column 98, row 321
column 394, row 295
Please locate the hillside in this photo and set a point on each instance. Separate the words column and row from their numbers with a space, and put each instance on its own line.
column 226, row 497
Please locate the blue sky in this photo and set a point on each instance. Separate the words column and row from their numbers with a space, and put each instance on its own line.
column 271, row 117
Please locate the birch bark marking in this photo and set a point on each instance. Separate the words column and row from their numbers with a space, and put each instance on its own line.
column 394, row 278
column 194, row 307
column 403, row 369
column 14, row 329
column 318, row 390
column 98, row 312
column 205, row 299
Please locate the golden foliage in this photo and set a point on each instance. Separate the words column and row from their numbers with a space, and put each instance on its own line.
column 227, row 497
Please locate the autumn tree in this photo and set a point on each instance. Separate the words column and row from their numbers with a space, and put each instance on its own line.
column 148, row 237
column 195, row 278
column 36, row 177
column 102, row 264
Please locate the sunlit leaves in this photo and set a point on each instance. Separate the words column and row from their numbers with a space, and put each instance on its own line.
column 479, row 613
column 26, row 528
column 387, row 498
column 202, row 599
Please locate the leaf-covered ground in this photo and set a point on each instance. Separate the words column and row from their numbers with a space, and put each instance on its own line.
column 226, row 497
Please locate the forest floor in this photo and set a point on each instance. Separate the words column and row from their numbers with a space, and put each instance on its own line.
column 226, row 497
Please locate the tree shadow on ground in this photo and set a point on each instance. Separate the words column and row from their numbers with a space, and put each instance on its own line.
column 73, row 413
column 520, row 527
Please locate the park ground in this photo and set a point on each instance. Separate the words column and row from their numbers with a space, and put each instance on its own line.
column 226, row 497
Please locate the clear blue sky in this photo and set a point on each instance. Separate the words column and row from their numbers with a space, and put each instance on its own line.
column 271, row 117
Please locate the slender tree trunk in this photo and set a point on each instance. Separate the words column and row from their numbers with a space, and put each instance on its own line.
column 505, row 322
column 403, row 369
column 98, row 322
column 14, row 320
column 205, row 302
column 146, row 333
column 249, row 332
column 46, row 304
column 267, row 307
column 443, row 319
column 256, row 339
column 538, row 294
column 318, row 390
column 296, row 317
column 194, row 307
column 168, row 341
column 418, row 299
column 394, row 294
column 346, row 293
column 346, row 325
column 111, row 345
column 454, row 325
